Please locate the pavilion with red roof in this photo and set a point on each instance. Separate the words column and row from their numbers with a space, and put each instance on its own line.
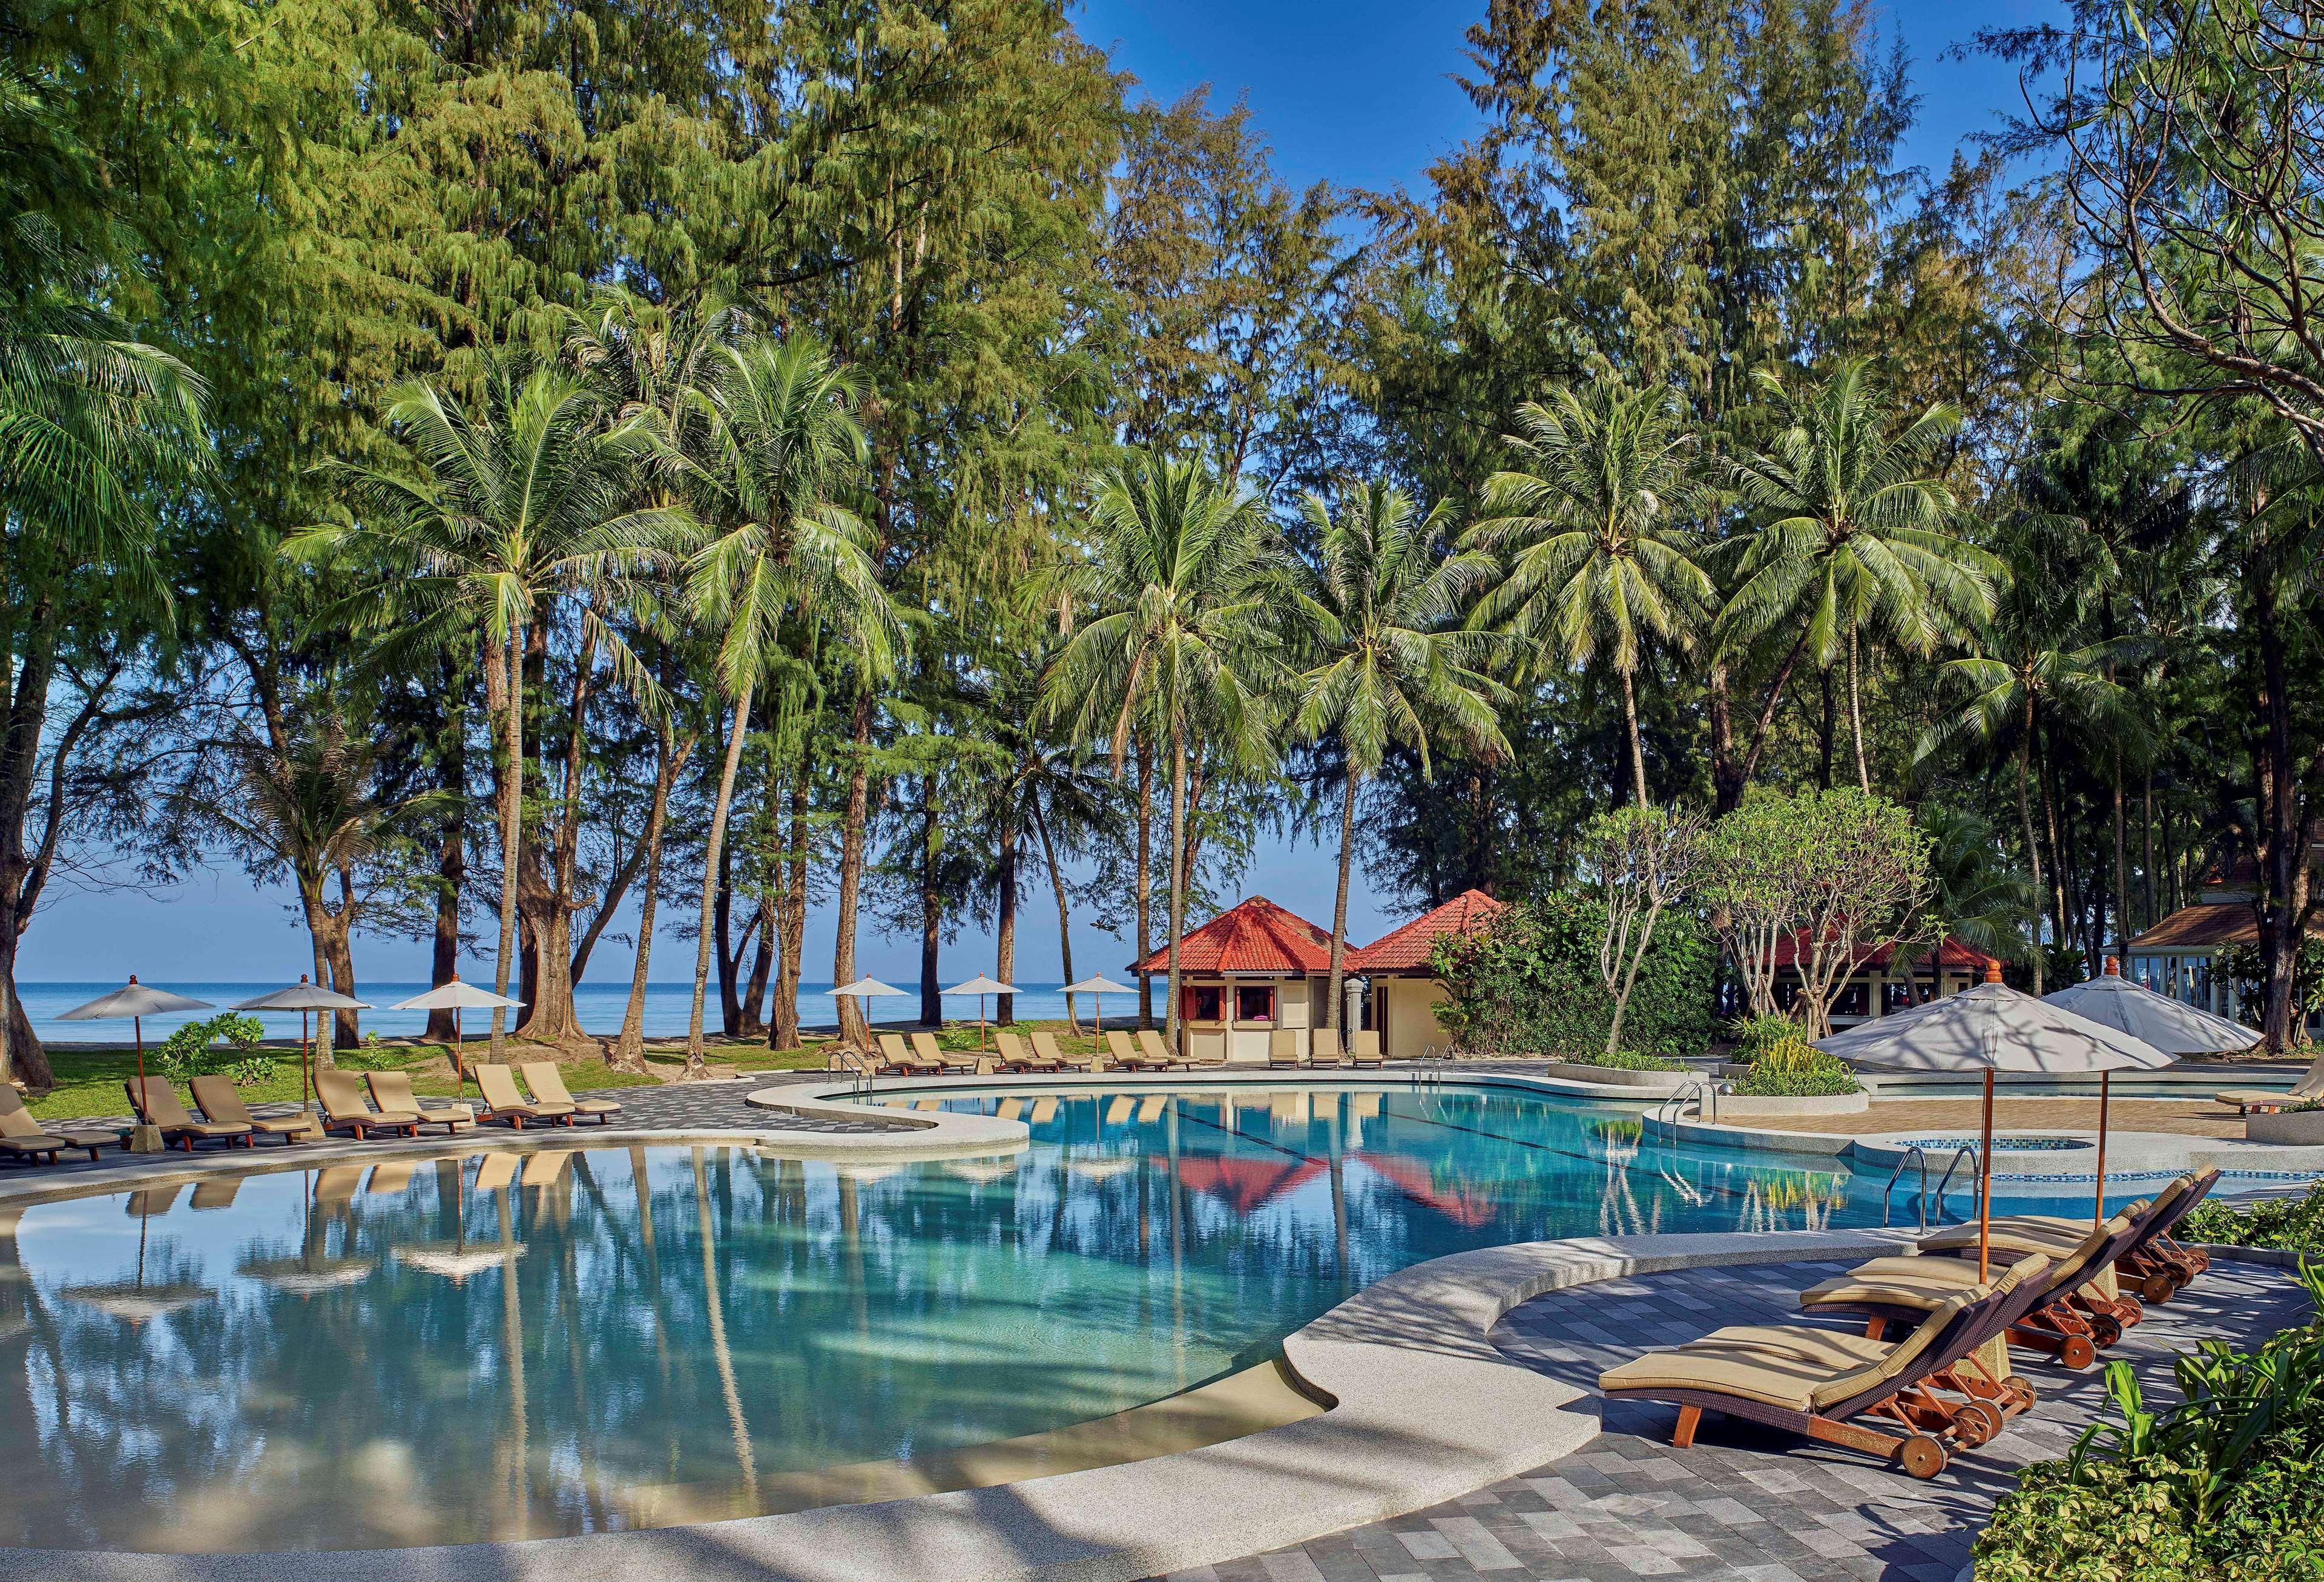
column 1255, row 969
column 1405, row 992
column 1877, row 984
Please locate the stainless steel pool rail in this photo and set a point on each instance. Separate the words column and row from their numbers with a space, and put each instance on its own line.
column 1888, row 1192
column 1672, row 1110
column 1965, row 1150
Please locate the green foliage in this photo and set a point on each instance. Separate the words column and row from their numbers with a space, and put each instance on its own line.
column 1753, row 1034
column 1790, row 1067
column 2293, row 1225
column 2244, row 968
column 1529, row 984
column 2225, row 1486
column 226, row 1043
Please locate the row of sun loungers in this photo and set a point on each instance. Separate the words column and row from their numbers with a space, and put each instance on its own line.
column 1946, row 1379
column 923, row 1058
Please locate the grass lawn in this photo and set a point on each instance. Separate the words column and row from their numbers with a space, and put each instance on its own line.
column 89, row 1077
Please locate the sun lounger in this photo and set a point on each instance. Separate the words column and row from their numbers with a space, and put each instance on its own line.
column 856, row 1062
column 1045, row 1047
column 23, row 1137
column 929, row 1060
column 218, row 1100
column 1812, row 1381
column 1118, row 1050
column 2102, row 1293
column 391, row 1091
column 346, row 1109
column 2309, row 1090
column 1364, row 1047
column 1015, row 1056
column 1326, row 1049
column 156, row 1104
column 1283, row 1047
column 548, row 1084
column 504, row 1102
column 1907, row 1290
column 895, row 1060
column 2160, row 1267
column 1158, row 1055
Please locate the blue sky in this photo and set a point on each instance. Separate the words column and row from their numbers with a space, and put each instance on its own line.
column 1356, row 92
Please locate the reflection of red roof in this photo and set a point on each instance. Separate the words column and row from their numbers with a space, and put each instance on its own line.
column 1462, row 1205
column 1255, row 937
column 1952, row 956
column 1408, row 947
column 1242, row 1184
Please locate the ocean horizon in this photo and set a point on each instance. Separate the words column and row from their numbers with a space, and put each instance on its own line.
column 600, row 1007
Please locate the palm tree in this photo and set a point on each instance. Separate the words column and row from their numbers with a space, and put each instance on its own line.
column 510, row 502
column 1177, row 577
column 1978, row 900
column 1855, row 535
column 1388, row 669
column 1591, row 527
column 785, row 447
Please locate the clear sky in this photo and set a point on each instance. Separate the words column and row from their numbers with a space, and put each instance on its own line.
column 1356, row 92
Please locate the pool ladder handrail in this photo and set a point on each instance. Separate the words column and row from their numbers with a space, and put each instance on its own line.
column 1965, row 1150
column 1672, row 1108
column 1888, row 1193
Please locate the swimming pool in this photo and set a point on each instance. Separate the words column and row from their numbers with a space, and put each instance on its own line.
column 493, row 1346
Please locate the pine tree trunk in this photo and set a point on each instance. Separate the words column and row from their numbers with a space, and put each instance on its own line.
column 452, row 866
column 2146, row 834
column 853, row 1030
column 752, row 1020
column 2121, row 857
column 1004, row 942
column 1145, row 880
column 1340, row 906
column 1177, row 882
column 696, row 1061
column 2033, row 847
column 629, row 1051
column 783, row 1026
column 1065, row 922
column 1637, row 748
column 931, row 909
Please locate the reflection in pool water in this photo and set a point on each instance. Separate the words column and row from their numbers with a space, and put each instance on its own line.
column 495, row 1346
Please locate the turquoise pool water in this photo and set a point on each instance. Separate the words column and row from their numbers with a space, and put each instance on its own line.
column 495, row 1346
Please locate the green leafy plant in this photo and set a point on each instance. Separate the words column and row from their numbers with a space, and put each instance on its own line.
column 1791, row 1067
column 1529, row 983
column 1753, row 1035
column 2294, row 1224
column 1622, row 1060
column 224, row 1043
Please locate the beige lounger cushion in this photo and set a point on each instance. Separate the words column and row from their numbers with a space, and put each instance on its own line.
column 1902, row 1282
column 1150, row 1045
column 37, row 1143
column 1791, row 1367
column 2018, row 1236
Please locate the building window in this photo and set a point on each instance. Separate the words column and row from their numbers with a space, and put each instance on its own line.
column 1255, row 1002
column 1204, row 1003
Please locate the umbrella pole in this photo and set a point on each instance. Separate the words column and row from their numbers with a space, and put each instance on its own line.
column 459, row 1074
column 2097, row 1209
column 1985, row 1189
column 306, row 1064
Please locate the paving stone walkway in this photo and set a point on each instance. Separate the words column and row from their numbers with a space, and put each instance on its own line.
column 1744, row 1503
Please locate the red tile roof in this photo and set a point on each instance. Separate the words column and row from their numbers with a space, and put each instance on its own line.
column 2204, row 926
column 1408, row 947
column 1952, row 956
column 1255, row 937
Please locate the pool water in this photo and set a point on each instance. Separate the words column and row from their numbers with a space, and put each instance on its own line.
column 493, row 1345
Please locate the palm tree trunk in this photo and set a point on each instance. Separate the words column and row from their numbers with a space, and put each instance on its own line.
column 1340, row 906
column 452, row 866
column 629, row 1052
column 852, row 1027
column 2146, row 834
column 503, row 671
column 1064, row 920
column 1638, row 752
column 2121, row 857
column 696, row 1063
column 2033, row 847
column 783, row 1025
column 1856, row 713
column 1178, row 880
column 1004, row 943
column 931, row 909
column 1144, row 879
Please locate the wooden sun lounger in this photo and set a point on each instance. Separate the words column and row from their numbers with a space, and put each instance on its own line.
column 1907, row 1290
column 2102, row 1294
column 1283, row 1047
column 346, row 1109
column 23, row 1137
column 929, row 1060
column 504, row 1102
column 1815, row 1382
column 1119, row 1052
column 2159, row 1266
column 1325, row 1051
column 215, row 1096
column 895, row 1060
column 1157, row 1053
column 391, row 1091
column 1045, row 1046
column 2243, row 1100
column 1364, row 1047
column 548, row 1084
column 1015, row 1056
column 156, row 1104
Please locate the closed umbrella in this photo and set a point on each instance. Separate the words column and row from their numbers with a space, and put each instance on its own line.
column 305, row 998
column 1094, row 987
column 455, row 997
column 1988, row 1029
column 980, row 985
column 135, row 1001
column 865, row 988
column 2171, row 1026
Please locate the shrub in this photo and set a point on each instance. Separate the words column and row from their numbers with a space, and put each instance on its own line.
column 2295, row 1225
column 2226, row 1487
column 1528, row 984
column 1622, row 1060
column 1753, row 1034
column 193, row 1051
column 1790, row 1067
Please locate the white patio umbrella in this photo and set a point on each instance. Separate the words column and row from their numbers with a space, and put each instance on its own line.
column 865, row 988
column 305, row 998
column 2171, row 1026
column 455, row 997
column 133, row 1301
column 980, row 985
column 1094, row 987
column 136, row 1002
column 1988, row 1029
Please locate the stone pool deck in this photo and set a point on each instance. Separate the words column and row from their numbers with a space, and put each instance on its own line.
column 1744, row 1505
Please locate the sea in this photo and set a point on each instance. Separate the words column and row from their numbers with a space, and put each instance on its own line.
column 601, row 1008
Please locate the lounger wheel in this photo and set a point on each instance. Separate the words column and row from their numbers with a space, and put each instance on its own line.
column 2078, row 1353
column 1978, row 1423
column 1921, row 1456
